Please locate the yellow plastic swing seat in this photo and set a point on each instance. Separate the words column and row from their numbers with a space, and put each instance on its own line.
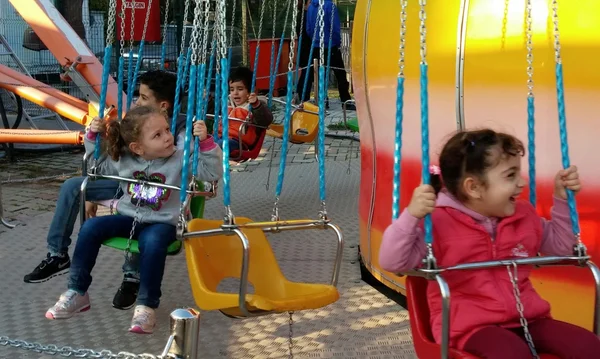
column 212, row 259
column 307, row 123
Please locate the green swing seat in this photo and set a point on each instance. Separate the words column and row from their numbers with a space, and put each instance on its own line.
column 120, row 243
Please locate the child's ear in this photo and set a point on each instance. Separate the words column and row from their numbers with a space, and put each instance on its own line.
column 472, row 187
column 135, row 147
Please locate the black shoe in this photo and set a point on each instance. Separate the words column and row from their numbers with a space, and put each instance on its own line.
column 127, row 293
column 50, row 267
column 350, row 107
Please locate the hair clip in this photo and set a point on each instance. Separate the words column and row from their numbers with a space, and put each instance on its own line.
column 435, row 170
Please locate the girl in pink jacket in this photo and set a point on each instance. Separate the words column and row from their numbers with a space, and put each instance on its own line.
column 478, row 217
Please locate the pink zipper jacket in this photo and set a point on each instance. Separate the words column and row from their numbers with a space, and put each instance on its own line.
column 479, row 298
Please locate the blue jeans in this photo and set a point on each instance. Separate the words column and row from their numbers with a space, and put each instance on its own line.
column 153, row 240
column 233, row 144
column 67, row 210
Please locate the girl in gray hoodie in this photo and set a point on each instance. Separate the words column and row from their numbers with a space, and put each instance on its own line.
column 141, row 146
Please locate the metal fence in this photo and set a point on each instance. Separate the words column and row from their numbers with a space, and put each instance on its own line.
column 43, row 66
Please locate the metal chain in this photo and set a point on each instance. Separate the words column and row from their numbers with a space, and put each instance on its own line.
column 195, row 28
column 293, row 38
column 557, row 49
column 321, row 19
column 529, row 45
column 261, row 21
column 514, row 279
column 186, row 11
column 166, row 21
column 146, row 20
column 136, row 220
column 67, row 351
column 112, row 15
column 131, row 26
column 274, row 25
column 402, row 49
column 205, row 31
column 217, row 39
column 122, row 32
column 291, row 325
column 223, row 29
column 423, row 31
column 232, row 24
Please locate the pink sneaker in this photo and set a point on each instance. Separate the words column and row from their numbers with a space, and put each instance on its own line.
column 144, row 320
column 69, row 303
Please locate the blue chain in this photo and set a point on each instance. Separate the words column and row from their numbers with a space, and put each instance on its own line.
column 308, row 65
column 199, row 105
column 564, row 144
column 224, row 95
column 178, row 89
column 272, row 71
column 253, row 85
column 322, row 91
column 425, row 144
column 188, row 133
column 217, row 106
column 103, row 91
column 163, row 53
column 129, row 79
column 296, row 78
column 187, row 67
column 531, row 149
column 121, row 78
column 138, row 65
column 398, row 147
column 286, row 134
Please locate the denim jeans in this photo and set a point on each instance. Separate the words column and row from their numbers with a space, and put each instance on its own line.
column 153, row 240
column 233, row 144
column 67, row 211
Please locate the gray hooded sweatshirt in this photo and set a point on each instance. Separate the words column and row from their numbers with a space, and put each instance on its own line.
column 157, row 205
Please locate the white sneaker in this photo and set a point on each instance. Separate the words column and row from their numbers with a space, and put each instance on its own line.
column 69, row 303
column 144, row 320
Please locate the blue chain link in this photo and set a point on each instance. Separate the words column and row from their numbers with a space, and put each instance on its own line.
column 398, row 147
column 224, row 95
column 199, row 104
column 121, row 79
column 188, row 133
column 103, row 91
column 178, row 89
column 531, row 149
column 564, row 144
column 322, row 92
column 129, row 79
column 286, row 134
column 425, row 144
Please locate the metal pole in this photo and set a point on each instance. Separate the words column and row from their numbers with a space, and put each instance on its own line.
column 185, row 330
column 245, row 32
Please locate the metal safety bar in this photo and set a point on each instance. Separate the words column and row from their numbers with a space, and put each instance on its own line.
column 436, row 274
column 236, row 230
column 210, row 194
